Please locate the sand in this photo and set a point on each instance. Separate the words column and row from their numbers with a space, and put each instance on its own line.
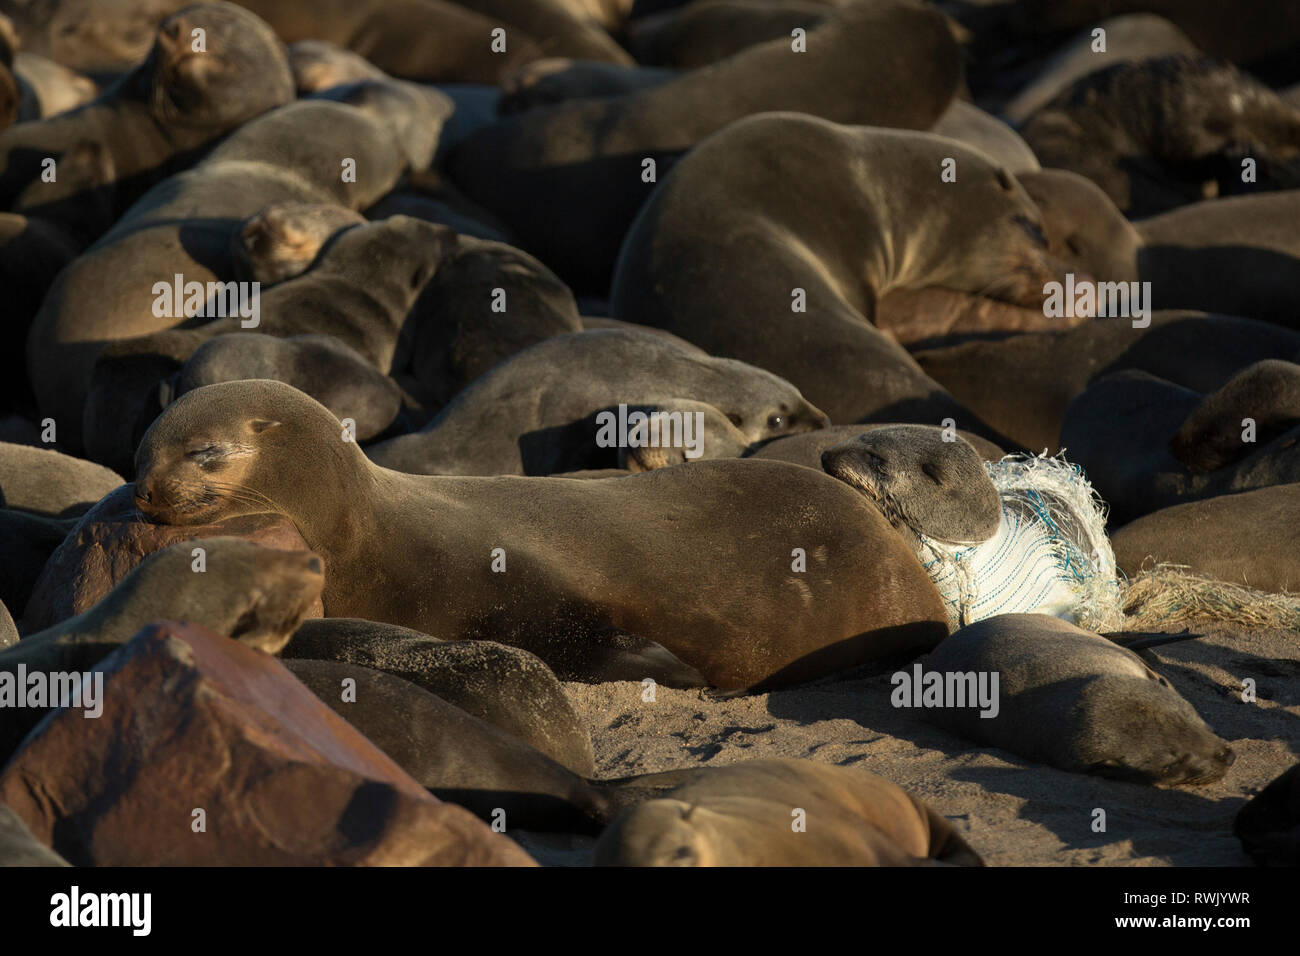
column 1012, row 811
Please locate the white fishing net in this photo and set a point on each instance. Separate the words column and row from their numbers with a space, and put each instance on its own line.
column 1050, row 554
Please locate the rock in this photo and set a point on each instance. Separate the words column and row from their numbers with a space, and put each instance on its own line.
column 113, row 537
column 193, row 721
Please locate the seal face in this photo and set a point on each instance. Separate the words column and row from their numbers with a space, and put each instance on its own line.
column 920, row 481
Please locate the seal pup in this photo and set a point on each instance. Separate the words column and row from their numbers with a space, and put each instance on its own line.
column 253, row 594
column 979, row 234
column 358, row 293
column 1132, row 36
column 1267, row 393
column 1050, row 369
column 1138, row 470
column 615, row 579
column 158, row 117
column 568, row 178
column 318, row 365
column 454, row 332
column 505, row 686
column 457, row 756
column 283, row 240
column 1074, row 700
column 1159, row 133
column 533, row 413
column 742, row 816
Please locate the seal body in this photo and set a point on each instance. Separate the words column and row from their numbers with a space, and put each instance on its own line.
column 1077, row 701
column 603, row 577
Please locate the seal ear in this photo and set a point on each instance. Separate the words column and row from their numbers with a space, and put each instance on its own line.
column 1005, row 181
column 260, row 425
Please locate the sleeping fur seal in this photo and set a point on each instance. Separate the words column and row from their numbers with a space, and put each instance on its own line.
column 979, row 234
column 534, row 413
column 161, row 116
column 603, row 580
column 741, row 816
column 1077, row 701
column 184, row 225
column 503, row 685
column 256, row 595
column 282, row 240
column 1159, row 133
column 568, row 178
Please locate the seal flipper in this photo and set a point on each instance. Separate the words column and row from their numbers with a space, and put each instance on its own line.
column 613, row 654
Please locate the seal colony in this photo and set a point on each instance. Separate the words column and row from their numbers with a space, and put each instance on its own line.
column 647, row 432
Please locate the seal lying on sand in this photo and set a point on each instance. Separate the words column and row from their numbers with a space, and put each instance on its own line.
column 532, row 413
column 746, row 815
column 602, row 579
column 1077, row 701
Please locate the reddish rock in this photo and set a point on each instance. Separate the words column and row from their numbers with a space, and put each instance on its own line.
column 192, row 720
column 113, row 537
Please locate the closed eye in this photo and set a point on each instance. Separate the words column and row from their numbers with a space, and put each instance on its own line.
column 930, row 472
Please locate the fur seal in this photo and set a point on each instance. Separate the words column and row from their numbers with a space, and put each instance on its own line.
column 1162, row 132
column 503, row 685
column 971, row 125
column 806, row 449
column 184, row 225
column 1051, row 368
column 46, row 482
column 112, row 538
column 1269, row 825
column 318, row 65
column 454, row 333
column 319, row 365
column 980, row 234
column 48, row 88
column 568, row 178
column 1237, row 255
column 558, row 80
column 430, row 41
column 1250, row 538
column 35, row 248
column 253, row 594
column 454, row 754
column 1077, row 701
column 704, row 32
column 604, row 580
column 533, row 413
column 282, row 240
column 920, row 482
column 358, row 292
column 742, row 816
column 1136, row 469
column 159, row 117
column 1268, row 393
